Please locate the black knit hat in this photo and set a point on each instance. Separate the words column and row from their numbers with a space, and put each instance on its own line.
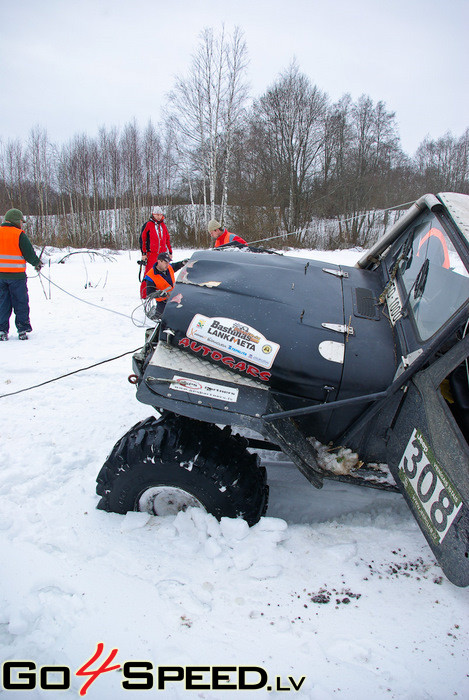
column 165, row 257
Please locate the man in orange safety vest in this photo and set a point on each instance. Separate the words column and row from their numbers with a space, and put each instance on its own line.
column 15, row 250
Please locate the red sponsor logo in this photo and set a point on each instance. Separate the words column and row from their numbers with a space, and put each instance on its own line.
column 227, row 360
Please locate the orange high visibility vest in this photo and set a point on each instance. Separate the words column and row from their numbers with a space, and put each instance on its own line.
column 160, row 283
column 228, row 237
column 11, row 257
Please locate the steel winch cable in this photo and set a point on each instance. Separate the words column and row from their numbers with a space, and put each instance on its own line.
column 82, row 369
column 343, row 221
column 68, row 374
column 90, row 303
column 85, row 301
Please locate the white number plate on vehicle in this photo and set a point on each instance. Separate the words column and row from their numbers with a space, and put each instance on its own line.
column 393, row 301
column 433, row 496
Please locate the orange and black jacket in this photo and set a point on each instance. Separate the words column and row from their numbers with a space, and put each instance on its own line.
column 15, row 250
column 227, row 237
column 162, row 281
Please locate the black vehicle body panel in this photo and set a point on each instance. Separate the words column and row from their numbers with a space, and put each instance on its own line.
column 358, row 356
column 293, row 299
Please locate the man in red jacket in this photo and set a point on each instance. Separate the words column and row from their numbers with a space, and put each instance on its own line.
column 223, row 237
column 154, row 239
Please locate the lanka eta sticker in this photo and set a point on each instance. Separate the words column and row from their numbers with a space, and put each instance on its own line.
column 435, row 499
column 234, row 337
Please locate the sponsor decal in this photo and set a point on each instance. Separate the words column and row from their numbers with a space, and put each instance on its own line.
column 433, row 496
column 227, row 360
column 212, row 391
column 234, row 337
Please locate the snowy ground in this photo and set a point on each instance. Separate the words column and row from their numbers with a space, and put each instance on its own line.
column 336, row 585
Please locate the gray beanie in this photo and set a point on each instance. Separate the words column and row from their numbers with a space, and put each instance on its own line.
column 213, row 224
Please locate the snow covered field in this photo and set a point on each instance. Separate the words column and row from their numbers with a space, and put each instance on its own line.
column 337, row 585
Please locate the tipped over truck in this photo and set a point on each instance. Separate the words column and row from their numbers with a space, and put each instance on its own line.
column 297, row 353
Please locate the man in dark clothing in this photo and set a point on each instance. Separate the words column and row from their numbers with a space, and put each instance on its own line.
column 160, row 281
column 15, row 251
column 154, row 239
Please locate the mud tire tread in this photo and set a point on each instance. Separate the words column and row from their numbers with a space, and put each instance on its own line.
column 203, row 459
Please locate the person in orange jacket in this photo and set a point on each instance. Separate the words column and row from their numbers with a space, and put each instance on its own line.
column 223, row 237
column 154, row 239
column 160, row 281
column 15, row 251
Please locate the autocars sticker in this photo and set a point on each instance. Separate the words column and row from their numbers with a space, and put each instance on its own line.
column 227, row 360
column 234, row 337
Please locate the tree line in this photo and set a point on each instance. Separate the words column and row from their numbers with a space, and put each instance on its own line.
column 265, row 167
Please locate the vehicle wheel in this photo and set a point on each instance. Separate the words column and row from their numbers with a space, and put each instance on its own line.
column 166, row 465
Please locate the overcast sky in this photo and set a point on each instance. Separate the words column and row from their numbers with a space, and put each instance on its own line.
column 71, row 66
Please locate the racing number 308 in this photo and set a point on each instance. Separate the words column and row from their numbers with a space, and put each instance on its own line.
column 424, row 480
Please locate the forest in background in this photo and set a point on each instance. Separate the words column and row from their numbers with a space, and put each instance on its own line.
column 289, row 164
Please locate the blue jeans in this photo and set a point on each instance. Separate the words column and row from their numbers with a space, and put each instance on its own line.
column 14, row 297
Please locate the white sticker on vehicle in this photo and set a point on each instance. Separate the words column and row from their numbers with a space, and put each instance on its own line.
column 234, row 337
column 432, row 494
column 212, row 391
column 393, row 300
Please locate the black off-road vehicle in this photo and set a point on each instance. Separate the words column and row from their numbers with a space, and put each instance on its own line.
column 298, row 353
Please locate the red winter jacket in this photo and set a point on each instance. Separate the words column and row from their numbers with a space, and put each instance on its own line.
column 154, row 238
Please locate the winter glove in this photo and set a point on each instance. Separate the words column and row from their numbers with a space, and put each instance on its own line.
column 39, row 266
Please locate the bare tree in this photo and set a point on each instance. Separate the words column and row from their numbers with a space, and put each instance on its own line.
column 208, row 104
column 131, row 152
column 364, row 154
column 292, row 114
column 152, row 154
column 444, row 163
column 40, row 157
column 14, row 171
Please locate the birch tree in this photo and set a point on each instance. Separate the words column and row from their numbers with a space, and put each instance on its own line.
column 40, row 157
column 131, row 151
column 207, row 106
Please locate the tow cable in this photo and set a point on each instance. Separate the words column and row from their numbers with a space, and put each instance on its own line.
column 68, row 374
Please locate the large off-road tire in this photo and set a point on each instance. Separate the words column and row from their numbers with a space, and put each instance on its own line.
column 166, row 465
